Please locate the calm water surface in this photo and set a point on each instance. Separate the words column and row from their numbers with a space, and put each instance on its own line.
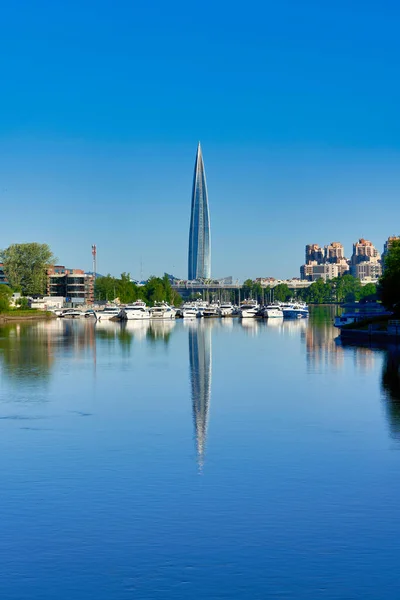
column 212, row 459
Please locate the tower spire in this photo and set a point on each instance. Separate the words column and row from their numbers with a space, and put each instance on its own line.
column 199, row 259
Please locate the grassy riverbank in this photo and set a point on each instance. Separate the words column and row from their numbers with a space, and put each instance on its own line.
column 24, row 315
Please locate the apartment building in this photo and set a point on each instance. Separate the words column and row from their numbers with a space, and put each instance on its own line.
column 73, row 284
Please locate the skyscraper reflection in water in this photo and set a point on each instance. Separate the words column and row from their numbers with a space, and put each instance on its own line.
column 200, row 378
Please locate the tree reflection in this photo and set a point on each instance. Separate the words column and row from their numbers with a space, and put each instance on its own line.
column 200, row 377
column 160, row 330
column 25, row 351
column 391, row 388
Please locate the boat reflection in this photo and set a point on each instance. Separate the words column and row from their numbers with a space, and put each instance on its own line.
column 160, row 329
column 252, row 326
column 200, row 378
column 137, row 329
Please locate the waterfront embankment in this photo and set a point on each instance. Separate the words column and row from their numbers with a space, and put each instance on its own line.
column 25, row 315
column 378, row 331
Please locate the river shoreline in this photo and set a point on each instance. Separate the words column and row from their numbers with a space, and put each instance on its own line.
column 10, row 318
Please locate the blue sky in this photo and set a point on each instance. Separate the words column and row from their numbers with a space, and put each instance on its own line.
column 296, row 105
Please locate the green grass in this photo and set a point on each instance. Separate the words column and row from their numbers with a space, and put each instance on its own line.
column 22, row 312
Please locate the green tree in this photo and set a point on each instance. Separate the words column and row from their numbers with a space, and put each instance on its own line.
column 154, row 290
column 348, row 288
column 318, row 292
column 25, row 266
column 23, row 303
column 106, row 288
column 126, row 289
column 5, row 295
column 389, row 285
column 248, row 288
column 282, row 292
column 368, row 291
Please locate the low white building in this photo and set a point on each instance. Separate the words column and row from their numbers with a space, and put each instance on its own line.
column 47, row 303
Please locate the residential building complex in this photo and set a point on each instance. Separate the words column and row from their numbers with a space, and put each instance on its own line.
column 365, row 260
column 330, row 262
column 73, row 284
column 314, row 252
column 199, row 263
column 324, row 263
column 334, row 253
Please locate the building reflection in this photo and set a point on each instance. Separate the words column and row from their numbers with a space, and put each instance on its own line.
column 322, row 347
column 200, row 378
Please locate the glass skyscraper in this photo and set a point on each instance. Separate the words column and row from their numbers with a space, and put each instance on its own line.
column 199, row 234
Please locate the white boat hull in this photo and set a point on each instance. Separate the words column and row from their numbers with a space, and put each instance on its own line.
column 248, row 313
column 136, row 315
column 106, row 316
column 189, row 314
column 273, row 313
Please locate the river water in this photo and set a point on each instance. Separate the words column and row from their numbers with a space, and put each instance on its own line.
column 203, row 460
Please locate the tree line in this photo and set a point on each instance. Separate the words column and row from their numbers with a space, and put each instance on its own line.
column 156, row 289
column 340, row 289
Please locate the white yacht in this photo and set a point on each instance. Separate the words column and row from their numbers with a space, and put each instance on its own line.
column 186, row 310
column 226, row 309
column 72, row 313
column 190, row 312
column 135, row 312
column 201, row 307
column 109, row 312
column 248, row 309
column 211, row 311
column 273, row 311
column 162, row 310
column 294, row 310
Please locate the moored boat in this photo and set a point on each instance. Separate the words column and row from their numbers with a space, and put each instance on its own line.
column 162, row 310
column 135, row 312
column 108, row 312
column 226, row 309
column 248, row 309
column 273, row 311
column 72, row 313
column 211, row 311
column 189, row 312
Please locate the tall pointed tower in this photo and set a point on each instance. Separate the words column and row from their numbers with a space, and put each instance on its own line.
column 199, row 233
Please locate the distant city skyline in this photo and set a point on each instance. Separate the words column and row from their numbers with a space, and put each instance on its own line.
column 97, row 135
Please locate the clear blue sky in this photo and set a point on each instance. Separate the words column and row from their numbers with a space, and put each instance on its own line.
column 102, row 104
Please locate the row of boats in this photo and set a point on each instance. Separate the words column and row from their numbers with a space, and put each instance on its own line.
column 193, row 310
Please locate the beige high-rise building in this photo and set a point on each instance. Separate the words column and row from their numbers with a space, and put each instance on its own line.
column 306, row 271
column 364, row 248
column 334, row 253
column 314, row 252
column 325, row 272
column 365, row 260
column 316, row 256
